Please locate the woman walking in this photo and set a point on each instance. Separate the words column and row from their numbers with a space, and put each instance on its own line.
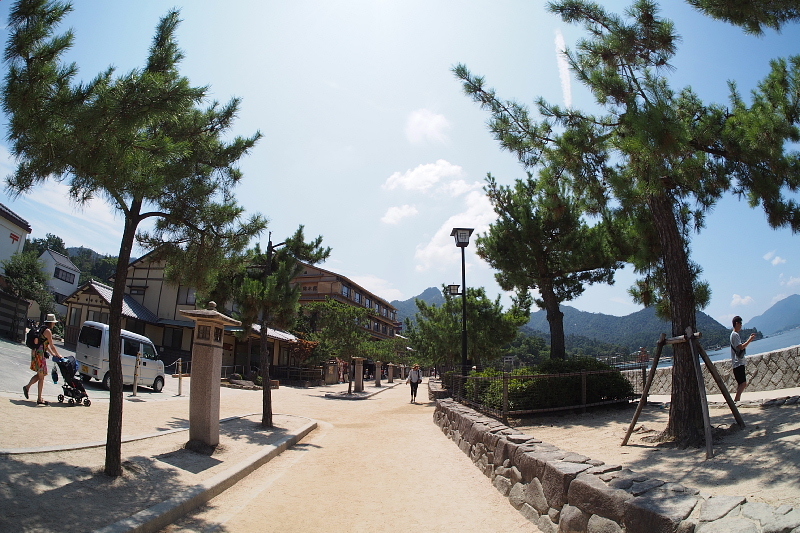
column 414, row 378
column 39, row 358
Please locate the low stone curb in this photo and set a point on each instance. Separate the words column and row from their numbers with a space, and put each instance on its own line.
column 161, row 515
column 561, row 491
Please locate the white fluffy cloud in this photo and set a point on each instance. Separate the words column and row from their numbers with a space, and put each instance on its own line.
column 790, row 282
column 423, row 177
column 773, row 258
column 395, row 214
column 441, row 251
column 425, row 125
column 738, row 301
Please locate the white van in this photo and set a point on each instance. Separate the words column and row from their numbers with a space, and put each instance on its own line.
column 92, row 357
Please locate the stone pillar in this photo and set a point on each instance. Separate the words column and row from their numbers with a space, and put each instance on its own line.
column 378, row 371
column 359, row 374
column 391, row 373
column 206, row 375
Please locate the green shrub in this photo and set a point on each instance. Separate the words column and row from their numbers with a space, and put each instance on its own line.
column 527, row 391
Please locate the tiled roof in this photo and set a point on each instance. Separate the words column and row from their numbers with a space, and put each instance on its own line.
column 130, row 307
column 278, row 334
column 11, row 216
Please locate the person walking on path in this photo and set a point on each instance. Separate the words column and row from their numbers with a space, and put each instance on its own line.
column 39, row 359
column 737, row 356
column 414, row 378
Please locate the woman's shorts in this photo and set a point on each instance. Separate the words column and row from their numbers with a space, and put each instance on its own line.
column 740, row 375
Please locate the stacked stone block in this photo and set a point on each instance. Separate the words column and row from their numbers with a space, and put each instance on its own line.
column 779, row 369
column 565, row 492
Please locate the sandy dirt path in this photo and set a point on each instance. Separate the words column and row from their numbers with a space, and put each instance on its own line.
column 373, row 465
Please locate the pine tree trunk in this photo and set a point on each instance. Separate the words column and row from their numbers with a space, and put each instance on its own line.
column 685, row 418
column 113, row 464
column 556, row 320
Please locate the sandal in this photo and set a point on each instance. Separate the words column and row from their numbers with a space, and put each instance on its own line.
column 42, row 402
column 25, row 392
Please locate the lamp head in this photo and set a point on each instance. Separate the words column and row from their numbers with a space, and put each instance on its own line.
column 461, row 236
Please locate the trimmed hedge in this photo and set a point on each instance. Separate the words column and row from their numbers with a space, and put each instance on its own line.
column 552, row 384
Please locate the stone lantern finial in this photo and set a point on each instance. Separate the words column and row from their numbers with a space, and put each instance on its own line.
column 211, row 305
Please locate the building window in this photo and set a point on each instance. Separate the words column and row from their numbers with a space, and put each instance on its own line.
column 186, row 296
column 368, row 303
column 63, row 275
column 383, row 329
column 59, row 298
column 358, row 297
column 345, row 291
column 173, row 338
column 134, row 325
column 98, row 316
column 137, row 291
column 75, row 316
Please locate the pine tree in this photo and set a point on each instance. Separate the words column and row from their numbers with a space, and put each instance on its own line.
column 138, row 140
column 540, row 241
column 662, row 157
column 267, row 295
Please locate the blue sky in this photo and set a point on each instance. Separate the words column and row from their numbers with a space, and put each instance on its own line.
column 370, row 142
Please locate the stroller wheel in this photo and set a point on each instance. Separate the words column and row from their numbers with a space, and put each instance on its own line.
column 60, row 398
column 71, row 401
column 87, row 402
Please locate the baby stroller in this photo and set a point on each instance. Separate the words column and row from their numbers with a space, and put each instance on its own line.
column 73, row 388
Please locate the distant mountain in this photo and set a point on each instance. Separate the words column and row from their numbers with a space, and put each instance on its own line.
column 781, row 316
column 641, row 328
column 408, row 308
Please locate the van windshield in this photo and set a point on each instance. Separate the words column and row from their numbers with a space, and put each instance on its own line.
column 90, row 336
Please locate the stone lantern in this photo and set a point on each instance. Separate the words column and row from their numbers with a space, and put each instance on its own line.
column 206, row 376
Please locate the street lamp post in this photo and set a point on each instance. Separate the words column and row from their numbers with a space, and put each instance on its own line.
column 461, row 236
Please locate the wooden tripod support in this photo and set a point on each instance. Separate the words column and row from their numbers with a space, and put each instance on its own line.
column 694, row 345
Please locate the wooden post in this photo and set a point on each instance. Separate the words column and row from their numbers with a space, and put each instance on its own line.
column 701, row 385
column 643, row 399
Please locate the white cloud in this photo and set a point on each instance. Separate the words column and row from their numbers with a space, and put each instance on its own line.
column 563, row 69
column 791, row 282
column 741, row 300
column 379, row 287
column 423, row 177
column 773, row 258
column 460, row 187
column 441, row 251
column 395, row 214
column 425, row 125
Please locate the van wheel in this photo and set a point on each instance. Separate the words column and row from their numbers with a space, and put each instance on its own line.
column 107, row 381
column 158, row 384
column 85, row 378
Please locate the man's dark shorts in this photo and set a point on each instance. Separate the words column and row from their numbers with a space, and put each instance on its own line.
column 740, row 375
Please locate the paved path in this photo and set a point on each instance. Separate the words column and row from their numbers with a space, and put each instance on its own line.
column 377, row 464
column 372, row 465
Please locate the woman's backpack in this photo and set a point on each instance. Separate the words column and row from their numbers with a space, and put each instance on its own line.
column 34, row 337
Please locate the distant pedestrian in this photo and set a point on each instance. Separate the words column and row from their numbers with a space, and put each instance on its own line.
column 39, row 358
column 414, row 379
column 737, row 356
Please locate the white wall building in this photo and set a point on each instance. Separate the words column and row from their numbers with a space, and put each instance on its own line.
column 13, row 231
column 64, row 277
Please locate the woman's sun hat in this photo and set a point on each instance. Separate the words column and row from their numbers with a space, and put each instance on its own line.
column 51, row 319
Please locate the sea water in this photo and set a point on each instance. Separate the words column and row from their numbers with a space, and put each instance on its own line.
column 767, row 344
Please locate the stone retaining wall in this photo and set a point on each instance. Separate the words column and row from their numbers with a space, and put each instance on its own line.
column 565, row 492
column 775, row 370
